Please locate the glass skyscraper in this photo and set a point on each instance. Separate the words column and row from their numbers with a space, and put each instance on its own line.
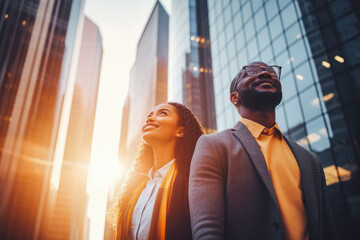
column 317, row 43
column 190, row 60
column 148, row 79
column 39, row 41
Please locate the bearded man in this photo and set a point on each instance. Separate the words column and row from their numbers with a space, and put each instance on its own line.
column 251, row 182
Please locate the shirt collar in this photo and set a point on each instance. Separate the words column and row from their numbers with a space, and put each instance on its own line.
column 162, row 171
column 256, row 129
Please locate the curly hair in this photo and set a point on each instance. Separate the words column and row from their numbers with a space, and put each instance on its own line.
column 144, row 159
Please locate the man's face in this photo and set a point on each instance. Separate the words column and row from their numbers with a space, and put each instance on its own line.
column 259, row 87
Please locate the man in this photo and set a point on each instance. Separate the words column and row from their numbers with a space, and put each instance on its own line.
column 251, row 182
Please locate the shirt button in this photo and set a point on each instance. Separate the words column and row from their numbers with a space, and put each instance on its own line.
column 276, row 226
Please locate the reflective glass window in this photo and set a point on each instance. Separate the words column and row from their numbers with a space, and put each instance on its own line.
column 280, row 118
column 293, row 33
column 231, row 49
column 246, row 10
column 275, row 27
column 219, row 103
column 271, row 9
column 220, row 121
column 288, row 15
column 223, row 58
column 298, row 53
column 317, row 42
column 253, row 50
column 263, row 37
column 318, row 135
column 249, row 30
column 355, row 76
column 340, row 7
column 288, row 86
column 284, row 61
column 229, row 116
column 279, row 44
column 283, row 3
column 310, row 103
column 348, row 27
column 235, row 5
column 240, row 40
column 303, row 76
column 256, row 4
column 260, row 19
column 225, row 77
column 330, row 95
column 237, row 21
column 242, row 58
column 227, row 14
column 217, row 83
column 229, row 31
column 352, row 52
column 293, row 114
column 298, row 134
column 234, row 68
column 267, row 56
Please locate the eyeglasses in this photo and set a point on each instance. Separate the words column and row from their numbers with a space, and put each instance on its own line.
column 253, row 70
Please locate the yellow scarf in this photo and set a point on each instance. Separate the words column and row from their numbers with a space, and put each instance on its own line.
column 161, row 208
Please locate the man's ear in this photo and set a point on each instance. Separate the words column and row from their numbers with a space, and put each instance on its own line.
column 180, row 132
column 234, row 98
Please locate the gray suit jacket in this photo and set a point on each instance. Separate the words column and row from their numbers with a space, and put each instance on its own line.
column 231, row 195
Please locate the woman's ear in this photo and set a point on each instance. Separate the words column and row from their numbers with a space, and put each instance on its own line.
column 180, row 132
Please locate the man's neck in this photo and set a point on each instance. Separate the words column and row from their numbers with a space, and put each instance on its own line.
column 265, row 118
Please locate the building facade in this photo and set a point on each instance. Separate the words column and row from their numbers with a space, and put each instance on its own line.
column 317, row 45
column 39, row 41
column 190, row 61
column 69, row 217
column 148, row 77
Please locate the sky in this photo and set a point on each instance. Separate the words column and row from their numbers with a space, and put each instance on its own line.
column 121, row 23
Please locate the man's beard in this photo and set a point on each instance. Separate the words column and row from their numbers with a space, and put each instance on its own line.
column 260, row 101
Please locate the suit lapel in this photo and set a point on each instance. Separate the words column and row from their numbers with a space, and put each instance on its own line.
column 307, row 182
column 252, row 148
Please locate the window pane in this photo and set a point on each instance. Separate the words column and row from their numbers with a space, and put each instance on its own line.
column 318, row 135
column 310, row 103
column 303, row 76
column 263, row 38
column 288, row 15
column 288, row 86
column 293, row 113
column 275, row 27
column 298, row 53
column 279, row 44
column 293, row 33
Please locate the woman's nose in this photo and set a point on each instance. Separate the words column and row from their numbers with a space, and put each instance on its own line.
column 150, row 119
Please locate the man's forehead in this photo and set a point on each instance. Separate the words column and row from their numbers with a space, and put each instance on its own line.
column 258, row 64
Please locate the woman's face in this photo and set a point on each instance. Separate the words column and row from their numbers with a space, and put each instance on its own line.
column 162, row 125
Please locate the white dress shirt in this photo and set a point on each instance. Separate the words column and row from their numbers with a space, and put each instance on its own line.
column 141, row 217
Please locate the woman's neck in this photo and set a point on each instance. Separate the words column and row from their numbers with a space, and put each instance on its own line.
column 162, row 155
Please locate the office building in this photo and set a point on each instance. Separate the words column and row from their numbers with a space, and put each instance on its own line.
column 39, row 44
column 69, row 216
column 190, row 60
column 148, row 77
column 317, row 45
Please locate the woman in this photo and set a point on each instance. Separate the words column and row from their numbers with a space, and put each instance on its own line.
column 154, row 198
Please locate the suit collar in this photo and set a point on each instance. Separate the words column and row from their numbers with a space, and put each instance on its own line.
column 250, row 145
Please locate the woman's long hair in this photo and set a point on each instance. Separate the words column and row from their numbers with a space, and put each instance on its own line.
column 144, row 160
